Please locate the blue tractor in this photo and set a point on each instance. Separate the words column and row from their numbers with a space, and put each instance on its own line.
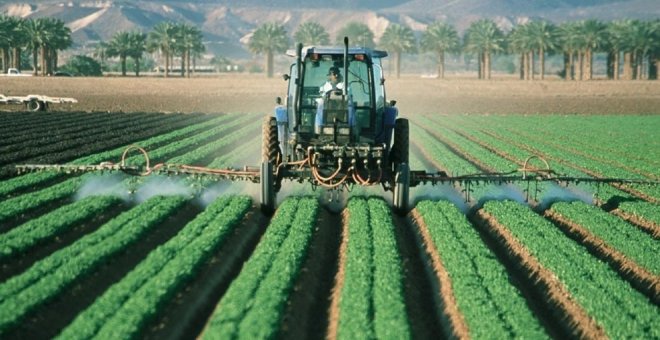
column 339, row 134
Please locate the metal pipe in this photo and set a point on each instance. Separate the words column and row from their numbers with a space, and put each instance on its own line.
column 345, row 90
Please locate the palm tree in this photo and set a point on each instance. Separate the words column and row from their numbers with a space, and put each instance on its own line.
column 162, row 39
column 138, row 45
column 312, row 33
column 20, row 41
column 12, row 39
column 617, row 39
column 591, row 38
column 569, row 40
column 542, row 38
column 399, row 39
column 269, row 38
column 6, row 39
column 120, row 46
column 37, row 30
column 520, row 43
column 60, row 39
column 654, row 56
column 101, row 52
column 483, row 37
column 440, row 38
column 358, row 34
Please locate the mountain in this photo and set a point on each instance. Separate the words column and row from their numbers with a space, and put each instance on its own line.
column 227, row 23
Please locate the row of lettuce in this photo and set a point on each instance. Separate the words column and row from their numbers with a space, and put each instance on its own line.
column 163, row 271
column 464, row 144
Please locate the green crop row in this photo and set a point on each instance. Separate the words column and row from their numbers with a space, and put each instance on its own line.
column 645, row 210
column 30, row 201
column 122, row 311
column 371, row 304
column 592, row 135
column 612, row 302
column 252, row 307
column 12, row 185
column 452, row 163
column 170, row 150
column 215, row 146
column 23, row 293
column 550, row 148
column 23, row 203
column 33, row 232
column 491, row 305
column 477, row 151
column 632, row 242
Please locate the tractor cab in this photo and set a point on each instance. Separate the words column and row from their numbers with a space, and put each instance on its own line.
column 335, row 96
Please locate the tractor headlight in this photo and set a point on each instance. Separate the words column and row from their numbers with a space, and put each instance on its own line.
column 328, row 130
column 344, row 131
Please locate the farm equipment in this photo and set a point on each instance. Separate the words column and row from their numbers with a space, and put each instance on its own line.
column 345, row 136
column 35, row 102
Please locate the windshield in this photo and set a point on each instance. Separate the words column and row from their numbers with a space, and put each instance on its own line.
column 325, row 73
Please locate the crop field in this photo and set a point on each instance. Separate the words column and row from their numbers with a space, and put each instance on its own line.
column 115, row 256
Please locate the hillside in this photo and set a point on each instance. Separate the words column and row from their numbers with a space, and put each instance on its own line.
column 226, row 24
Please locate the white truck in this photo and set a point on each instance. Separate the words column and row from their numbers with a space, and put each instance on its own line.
column 14, row 72
column 35, row 102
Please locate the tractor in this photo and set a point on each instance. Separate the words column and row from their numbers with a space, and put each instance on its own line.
column 336, row 137
column 336, row 134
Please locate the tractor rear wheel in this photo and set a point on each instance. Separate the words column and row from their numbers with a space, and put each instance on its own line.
column 400, row 146
column 271, row 157
column 270, row 147
column 401, row 189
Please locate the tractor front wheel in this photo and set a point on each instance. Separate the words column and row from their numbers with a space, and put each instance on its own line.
column 35, row 105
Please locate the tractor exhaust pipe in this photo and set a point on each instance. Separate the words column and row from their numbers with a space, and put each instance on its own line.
column 298, row 83
column 345, row 90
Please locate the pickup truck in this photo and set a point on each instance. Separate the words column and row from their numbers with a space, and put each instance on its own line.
column 14, row 72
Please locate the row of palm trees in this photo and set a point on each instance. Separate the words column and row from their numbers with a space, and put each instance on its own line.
column 170, row 39
column 636, row 42
column 631, row 43
column 44, row 37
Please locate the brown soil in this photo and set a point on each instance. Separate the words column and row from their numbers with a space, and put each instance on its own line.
column 414, row 95
column 333, row 314
column 576, row 320
column 453, row 320
column 637, row 275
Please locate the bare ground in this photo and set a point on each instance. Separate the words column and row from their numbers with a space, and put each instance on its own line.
column 255, row 93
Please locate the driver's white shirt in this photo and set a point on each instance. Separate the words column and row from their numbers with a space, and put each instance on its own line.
column 328, row 86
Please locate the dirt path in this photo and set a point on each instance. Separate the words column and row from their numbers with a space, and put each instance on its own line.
column 414, row 95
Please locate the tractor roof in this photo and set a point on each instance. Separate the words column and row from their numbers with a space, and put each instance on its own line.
column 339, row 51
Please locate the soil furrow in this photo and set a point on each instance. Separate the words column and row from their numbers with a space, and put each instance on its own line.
column 575, row 321
column 638, row 276
column 452, row 320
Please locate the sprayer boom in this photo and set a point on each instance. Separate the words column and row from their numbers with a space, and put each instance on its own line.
column 309, row 171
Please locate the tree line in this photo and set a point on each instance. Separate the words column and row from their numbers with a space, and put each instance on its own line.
column 632, row 46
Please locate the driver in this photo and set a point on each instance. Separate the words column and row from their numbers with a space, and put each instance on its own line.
column 334, row 81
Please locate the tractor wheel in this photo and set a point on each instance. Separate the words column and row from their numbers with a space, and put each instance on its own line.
column 35, row 105
column 399, row 152
column 270, row 147
column 401, row 189
column 267, row 188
